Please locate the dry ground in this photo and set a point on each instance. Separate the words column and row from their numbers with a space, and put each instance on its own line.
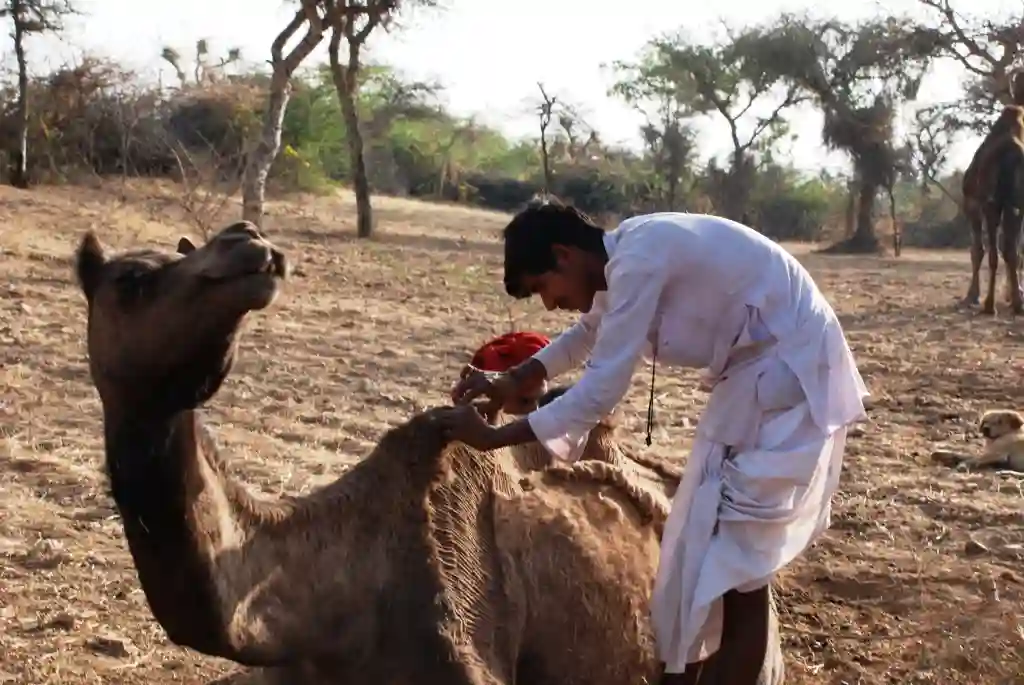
column 371, row 331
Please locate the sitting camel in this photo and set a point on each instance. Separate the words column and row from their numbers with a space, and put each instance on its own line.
column 423, row 563
column 993, row 197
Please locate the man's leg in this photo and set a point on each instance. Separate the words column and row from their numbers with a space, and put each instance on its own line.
column 699, row 673
column 745, row 634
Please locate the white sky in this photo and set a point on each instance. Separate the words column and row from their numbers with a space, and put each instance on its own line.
column 489, row 54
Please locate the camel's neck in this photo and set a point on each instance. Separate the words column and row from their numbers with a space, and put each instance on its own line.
column 174, row 509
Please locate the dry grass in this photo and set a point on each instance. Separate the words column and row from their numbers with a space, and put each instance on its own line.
column 370, row 331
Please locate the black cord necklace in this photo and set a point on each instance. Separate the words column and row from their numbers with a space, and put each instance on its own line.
column 650, row 399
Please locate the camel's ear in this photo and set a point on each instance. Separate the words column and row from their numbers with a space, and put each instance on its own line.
column 185, row 245
column 89, row 263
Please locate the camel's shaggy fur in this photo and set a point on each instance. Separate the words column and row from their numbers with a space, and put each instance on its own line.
column 602, row 445
column 422, row 563
column 648, row 482
column 993, row 198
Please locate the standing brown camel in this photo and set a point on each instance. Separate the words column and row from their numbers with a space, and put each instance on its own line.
column 424, row 563
column 993, row 198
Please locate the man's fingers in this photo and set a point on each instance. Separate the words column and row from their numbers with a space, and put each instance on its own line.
column 471, row 392
column 459, row 389
column 471, row 380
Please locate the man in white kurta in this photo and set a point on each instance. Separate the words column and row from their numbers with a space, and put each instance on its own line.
column 700, row 291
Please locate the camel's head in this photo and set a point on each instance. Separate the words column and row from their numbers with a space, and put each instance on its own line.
column 996, row 423
column 1016, row 87
column 162, row 325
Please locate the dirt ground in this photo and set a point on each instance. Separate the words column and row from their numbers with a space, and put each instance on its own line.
column 920, row 579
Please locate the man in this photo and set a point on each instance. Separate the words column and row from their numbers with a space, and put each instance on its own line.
column 697, row 291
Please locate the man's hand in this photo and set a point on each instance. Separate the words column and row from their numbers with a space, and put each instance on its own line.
column 464, row 423
column 498, row 387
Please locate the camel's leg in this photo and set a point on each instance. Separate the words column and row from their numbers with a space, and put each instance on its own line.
column 975, row 219
column 992, row 233
column 1011, row 225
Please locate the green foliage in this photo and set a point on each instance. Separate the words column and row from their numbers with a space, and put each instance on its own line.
column 98, row 118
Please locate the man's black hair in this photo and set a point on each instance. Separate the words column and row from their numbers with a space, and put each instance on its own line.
column 532, row 233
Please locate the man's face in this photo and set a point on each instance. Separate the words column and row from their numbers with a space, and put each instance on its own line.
column 566, row 287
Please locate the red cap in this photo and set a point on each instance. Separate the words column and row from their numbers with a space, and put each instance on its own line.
column 508, row 350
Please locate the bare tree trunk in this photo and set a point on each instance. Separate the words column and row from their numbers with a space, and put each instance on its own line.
column 19, row 162
column 864, row 237
column 673, row 188
column 545, row 111
column 546, row 161
column 262, row 158
column 736, row 189
column 258, row 165
column 346, row 83
column 850, row 215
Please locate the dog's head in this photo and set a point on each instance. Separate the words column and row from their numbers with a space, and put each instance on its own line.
column 999, row 422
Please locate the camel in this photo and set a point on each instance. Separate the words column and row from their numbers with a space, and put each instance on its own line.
column 425, row 562
column 993, row 196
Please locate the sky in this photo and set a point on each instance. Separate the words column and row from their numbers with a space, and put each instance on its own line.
column 490, row 55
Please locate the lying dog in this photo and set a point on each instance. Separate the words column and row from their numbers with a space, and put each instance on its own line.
column 1003, row 430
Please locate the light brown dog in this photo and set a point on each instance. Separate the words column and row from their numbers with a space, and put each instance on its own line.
column 1003, row 430
column 1004, row 441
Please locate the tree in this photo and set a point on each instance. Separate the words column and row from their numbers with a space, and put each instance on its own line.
column 723, row 81
column 859, row 74
column 203, row 72
column 989, row 51
column 546, row 110
column 29, row 17
column 283, row 66
column 388, row 100
column 932, row 136
column 577, row 150
column 666, row 103
column 352, row 22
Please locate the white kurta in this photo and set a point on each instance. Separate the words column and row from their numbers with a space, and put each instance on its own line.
column 706, row 292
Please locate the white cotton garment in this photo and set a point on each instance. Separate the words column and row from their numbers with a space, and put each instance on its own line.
column 742, row 513
column 705, row 292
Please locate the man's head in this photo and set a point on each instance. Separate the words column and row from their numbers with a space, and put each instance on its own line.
column 506, row 351
column 557, row 252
